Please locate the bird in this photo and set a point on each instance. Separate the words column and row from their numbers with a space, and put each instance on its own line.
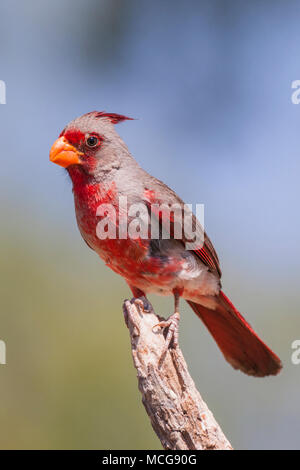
column 103, row 171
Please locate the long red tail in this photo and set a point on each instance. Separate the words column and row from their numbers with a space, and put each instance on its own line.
column 240, row 345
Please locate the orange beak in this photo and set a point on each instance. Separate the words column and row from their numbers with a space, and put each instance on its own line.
column 64, row 154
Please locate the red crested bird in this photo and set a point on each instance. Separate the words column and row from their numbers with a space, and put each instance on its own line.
column 102, row 170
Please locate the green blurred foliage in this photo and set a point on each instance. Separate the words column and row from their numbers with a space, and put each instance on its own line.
column 69, row 381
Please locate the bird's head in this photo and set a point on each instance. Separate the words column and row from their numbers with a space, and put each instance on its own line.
column 89, row 144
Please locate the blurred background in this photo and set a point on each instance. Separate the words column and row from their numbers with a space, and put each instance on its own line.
column 210, row 85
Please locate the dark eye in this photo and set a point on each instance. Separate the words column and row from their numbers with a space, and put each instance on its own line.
column 92, row 141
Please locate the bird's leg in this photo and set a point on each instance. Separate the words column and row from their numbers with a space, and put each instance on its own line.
column 172, row 323
column 140, row 299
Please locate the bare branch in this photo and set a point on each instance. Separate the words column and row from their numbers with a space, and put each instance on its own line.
column 179, row 416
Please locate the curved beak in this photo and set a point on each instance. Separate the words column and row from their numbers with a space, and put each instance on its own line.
column 64, row 154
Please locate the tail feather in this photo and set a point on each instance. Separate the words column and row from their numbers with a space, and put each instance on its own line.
column 240, row 345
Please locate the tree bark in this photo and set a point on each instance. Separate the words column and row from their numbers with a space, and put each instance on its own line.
column 179, row 416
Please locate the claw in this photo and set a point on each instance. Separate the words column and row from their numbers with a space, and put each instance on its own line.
column 143, row 304
column 162, row 324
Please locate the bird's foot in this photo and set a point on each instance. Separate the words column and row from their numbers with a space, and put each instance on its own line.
column 172, row 324
column 143, row 304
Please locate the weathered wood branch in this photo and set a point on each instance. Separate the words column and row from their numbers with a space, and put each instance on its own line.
column 179, row 416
